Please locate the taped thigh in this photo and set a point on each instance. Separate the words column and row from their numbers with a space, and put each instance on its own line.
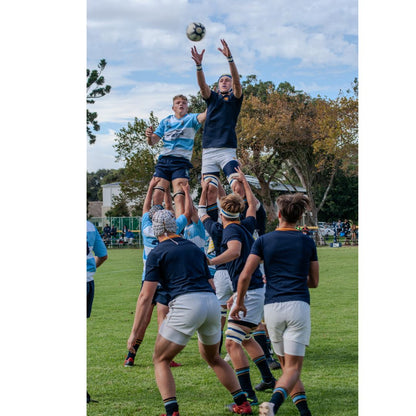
column 235, row 333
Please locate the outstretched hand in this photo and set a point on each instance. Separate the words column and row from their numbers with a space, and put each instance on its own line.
column 149, row 131
column 197, row 57
column 225, row 50
column 241, row 177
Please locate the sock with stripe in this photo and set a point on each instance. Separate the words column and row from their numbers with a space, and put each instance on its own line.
column 243, row 375
column 264, row 369
column 239, row 397
column 299, row 400
column 171, row 405
column 136, row 347
column 279, row 396
column 260, row 337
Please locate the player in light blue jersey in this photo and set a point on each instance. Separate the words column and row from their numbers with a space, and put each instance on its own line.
column 96, row 256
column 177, row 133
column 194, row 230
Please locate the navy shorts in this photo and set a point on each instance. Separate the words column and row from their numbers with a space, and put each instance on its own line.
column 90, row 296
column 170, row 168
column 160, row 296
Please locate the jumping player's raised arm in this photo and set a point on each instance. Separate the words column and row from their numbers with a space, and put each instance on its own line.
column 200, row 77
column 237, row 88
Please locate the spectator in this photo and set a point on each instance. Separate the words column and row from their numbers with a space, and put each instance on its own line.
column 129, row 237
column 354, row 234
column 346, row 227
column 338, row 228
column 106, row 231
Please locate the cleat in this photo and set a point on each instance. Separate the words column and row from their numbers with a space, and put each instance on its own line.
column 174, row 364
column 129, row 362
column 242, row 409
column 265, row 386
column 266, row 409
column 273, row 364
column 254, row 401
column 174, row 414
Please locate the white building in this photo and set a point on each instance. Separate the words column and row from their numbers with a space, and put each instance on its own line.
column 109, row 191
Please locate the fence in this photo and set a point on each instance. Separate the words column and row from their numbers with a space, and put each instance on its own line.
column 121, row 224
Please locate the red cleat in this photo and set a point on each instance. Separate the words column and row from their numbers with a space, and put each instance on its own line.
column 174, row 364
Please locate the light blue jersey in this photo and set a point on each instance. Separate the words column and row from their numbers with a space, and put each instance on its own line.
column 178, row 135
column 95, row 246
column 197, row 234
column 148, row 236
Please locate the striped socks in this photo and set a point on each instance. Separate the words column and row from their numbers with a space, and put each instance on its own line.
column 299, row 400
column 171, row 405
column 279, row 396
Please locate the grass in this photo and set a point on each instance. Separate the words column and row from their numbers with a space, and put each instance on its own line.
column 330, row 371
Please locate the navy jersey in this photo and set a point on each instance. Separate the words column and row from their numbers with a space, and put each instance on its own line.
column 214, row 229
column 287, row 256
column 222, row 115
column 242, row 233
column 168, row 263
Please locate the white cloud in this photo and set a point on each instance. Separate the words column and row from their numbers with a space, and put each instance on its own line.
column 149, row 59
column 101, row 154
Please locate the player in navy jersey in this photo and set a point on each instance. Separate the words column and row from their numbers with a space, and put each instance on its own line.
column 161, row 298
column 194, row 307
column 237, row 240
column 219, row 139
column 291, row 266
column 177, row 132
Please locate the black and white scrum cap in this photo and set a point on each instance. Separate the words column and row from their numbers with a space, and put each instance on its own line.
column 164, row 222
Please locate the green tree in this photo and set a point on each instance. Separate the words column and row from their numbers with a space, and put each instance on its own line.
column 138, row 157
column 119, row 207
column 96, row 88
column 289, row 137
column 96, row 179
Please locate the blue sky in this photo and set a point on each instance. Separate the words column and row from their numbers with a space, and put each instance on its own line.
column 312, row 45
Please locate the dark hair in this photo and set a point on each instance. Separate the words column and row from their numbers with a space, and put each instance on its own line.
column 292, row 206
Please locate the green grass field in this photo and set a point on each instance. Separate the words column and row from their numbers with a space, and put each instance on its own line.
column 330, row 371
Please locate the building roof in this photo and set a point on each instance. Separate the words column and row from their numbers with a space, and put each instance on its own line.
column 275, row 186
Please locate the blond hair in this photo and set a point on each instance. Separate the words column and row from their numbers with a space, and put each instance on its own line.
column 182, row 97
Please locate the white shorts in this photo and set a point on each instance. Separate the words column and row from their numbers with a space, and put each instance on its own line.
column 254, row 303
column 223, row 286
column 289, row 326
column 215, row 158
column 197, row 311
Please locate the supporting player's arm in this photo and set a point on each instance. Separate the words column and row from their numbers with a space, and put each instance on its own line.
column 148, row 200
column 251, row 199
